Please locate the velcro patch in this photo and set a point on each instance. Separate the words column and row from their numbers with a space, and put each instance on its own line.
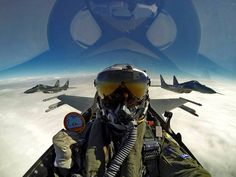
column 184, row 156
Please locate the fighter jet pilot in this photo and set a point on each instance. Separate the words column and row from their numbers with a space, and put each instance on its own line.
column 123, row 103
column 121, row 142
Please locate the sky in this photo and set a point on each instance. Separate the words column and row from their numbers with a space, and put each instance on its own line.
column 25, row 25
column 218, row 35
column 23, row 30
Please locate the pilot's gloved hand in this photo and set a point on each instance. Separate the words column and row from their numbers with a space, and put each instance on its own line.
column 62, row 142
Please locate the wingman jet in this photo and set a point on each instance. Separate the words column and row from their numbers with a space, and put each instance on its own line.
column 186, row 87
column 48, row 89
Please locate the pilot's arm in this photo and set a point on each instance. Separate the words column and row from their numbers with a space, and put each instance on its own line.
column 174, row 161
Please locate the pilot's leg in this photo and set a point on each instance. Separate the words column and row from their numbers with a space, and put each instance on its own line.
column 132, row 165
column 174, row 161
column 95, row 158
column 62, row 142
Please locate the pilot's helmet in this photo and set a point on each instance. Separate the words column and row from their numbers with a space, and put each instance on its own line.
column 122, row 84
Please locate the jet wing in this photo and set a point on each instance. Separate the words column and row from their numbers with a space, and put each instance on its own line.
column 159, row 105
column 162, row 105
column 77, row 102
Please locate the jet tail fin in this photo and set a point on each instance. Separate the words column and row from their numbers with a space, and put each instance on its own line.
column 163, row 83
column 65, row 87
column 175, row 81
column 57, row 84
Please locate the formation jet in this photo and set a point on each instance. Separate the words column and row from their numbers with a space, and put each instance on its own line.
column 186, row 87
column 48, row 89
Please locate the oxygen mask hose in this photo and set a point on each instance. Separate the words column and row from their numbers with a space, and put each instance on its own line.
column 123, row 152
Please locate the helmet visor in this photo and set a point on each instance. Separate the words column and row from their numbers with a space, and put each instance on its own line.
column 135, row 81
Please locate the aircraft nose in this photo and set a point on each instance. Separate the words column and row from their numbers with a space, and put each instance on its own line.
column 29, row 91
column 209, row 90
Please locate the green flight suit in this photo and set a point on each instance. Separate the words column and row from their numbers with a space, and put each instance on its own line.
column 95, row 155
column 175, row 161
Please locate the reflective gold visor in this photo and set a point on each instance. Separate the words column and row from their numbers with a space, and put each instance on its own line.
column 105, row 89
column 137, row 89
column 136, row 82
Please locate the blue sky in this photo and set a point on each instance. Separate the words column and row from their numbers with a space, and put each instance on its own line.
column 24, row 31
column 218, row 35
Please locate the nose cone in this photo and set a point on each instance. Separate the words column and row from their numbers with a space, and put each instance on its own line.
column 205, row 89
column 209, row 90
column 196, row 86
column 32, row 90
column 28, row 91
